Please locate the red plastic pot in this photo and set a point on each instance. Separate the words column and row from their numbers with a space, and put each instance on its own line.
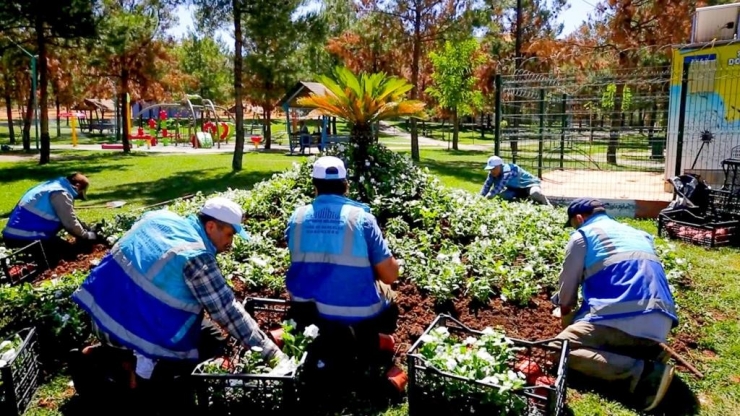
column 398, row 378
column 387, row 343
column 277, row 337
column 544, row 381
column 530, row 369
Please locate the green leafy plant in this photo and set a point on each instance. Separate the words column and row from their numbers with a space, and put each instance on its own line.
column 488, row 359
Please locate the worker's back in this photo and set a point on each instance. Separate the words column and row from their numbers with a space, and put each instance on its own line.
column 138, row 293
column 34, row 217
column 330, row 262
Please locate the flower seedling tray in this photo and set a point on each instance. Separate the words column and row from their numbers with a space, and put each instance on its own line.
column 434, row 390
column 240, row 393
column 19, row 377
column 724, row 203
column 21, row 265
column 685, row 225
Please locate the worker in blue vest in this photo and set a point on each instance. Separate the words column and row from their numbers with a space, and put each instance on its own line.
column 340, row 262
column 511, row 182
column 46, row 209
column 627, row 308
column 149, row 294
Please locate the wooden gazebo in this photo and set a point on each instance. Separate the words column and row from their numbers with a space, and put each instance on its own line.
column 289, row 102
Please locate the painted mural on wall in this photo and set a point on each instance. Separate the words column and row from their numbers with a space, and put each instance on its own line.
column 712, row 123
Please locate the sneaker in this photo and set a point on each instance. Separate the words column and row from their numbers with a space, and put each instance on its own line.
column 656, row 378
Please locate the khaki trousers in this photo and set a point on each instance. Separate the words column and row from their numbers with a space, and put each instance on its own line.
column 607, row 353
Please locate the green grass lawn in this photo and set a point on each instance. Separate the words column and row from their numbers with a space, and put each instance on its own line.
column 139, row 179
column 709, row 302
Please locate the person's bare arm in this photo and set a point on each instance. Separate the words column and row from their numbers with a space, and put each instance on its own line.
column 387, row 270
column 65, row 209
column 384, row 264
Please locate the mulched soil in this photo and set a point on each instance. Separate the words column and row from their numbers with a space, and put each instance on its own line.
column 533, row 322
column 81, row 261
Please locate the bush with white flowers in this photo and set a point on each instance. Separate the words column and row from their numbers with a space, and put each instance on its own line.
column 451, row 242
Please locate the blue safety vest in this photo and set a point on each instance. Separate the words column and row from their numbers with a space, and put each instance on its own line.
column 138, row 294
column 34, row 218
column 623, row 276
column 330, row 264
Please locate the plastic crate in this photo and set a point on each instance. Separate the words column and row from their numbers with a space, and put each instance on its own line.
column 428, row 386
column 19, row 379
column 724, row 204
column 23, row 264
column 685, row 225
column 243, row 394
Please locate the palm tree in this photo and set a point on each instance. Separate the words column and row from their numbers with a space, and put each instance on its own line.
column 363, row 102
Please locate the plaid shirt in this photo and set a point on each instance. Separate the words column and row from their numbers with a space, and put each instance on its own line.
column 500, row 182
column 209, row 287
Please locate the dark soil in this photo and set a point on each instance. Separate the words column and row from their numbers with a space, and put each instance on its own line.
column 74, row 261
column 533, row 322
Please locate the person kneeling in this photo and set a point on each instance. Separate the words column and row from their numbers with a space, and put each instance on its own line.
column 341, row 266
column 627, row 308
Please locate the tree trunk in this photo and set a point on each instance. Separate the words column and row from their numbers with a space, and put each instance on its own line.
column 27, row 124
column 416, row 57
column 45, row 156
column 9, row 110
column 455, row 129
column 59, row 121
column 617, row 117
column 236, row 163
column 124, row 111
column 362, row 138
column 266, row 123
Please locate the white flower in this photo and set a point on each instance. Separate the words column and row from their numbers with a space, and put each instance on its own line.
column 489, row 331
column 470, row 341
column 451, row 364
column 258, row 261
column 311, row 331
column 290, row 323
column 427, row 339
column 484, row 355
column 257, row 349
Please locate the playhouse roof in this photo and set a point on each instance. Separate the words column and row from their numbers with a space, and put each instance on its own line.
column 302, row 89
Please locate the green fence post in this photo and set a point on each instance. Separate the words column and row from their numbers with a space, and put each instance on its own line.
column 497, row 118
column 541, row 144
column 563, row 126
column 682, row 115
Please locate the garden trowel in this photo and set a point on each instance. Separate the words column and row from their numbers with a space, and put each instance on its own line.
column 111, row 204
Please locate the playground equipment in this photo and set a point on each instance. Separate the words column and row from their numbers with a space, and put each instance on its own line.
column 196, row 108
column 73, row 116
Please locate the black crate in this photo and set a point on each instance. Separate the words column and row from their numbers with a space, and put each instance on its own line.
column 428, row 391
column 724, row 204
column 709, row 231
column 242, row 394
column 20, row 378
column 23, row 264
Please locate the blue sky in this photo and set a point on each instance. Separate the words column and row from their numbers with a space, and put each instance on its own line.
column 572, row 18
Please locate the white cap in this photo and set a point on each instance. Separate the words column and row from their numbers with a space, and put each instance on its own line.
column 329, row 167
column 226, row 210
column 493, row 161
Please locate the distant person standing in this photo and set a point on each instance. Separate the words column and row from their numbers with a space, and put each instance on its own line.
column 511, row 182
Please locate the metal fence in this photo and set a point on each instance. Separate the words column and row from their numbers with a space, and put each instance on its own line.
column 599, row 135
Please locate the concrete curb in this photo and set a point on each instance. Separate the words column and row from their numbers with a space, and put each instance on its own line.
column 625, row 208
